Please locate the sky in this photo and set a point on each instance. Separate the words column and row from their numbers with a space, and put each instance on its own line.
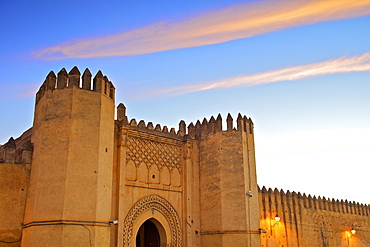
column 299, row 69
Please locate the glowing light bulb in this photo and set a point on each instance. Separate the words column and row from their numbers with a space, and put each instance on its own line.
column 277, row 218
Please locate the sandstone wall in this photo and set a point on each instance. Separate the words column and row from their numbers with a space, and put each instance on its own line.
column 15, row 159
column 229, row 217
column 69, row 197
column 14, row 179
column 149, row 181
column 310, row 221
column 200, row 179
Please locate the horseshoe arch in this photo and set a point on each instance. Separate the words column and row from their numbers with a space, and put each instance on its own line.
column 161, row 211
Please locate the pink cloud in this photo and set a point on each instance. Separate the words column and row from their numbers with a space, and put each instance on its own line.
column 340, row 65
column 236, row 22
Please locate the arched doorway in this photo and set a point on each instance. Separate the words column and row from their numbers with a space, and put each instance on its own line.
column 148, row 235
column 157, row 210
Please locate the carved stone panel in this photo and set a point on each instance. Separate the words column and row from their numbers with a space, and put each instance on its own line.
column 153, row 153
column 153, row 202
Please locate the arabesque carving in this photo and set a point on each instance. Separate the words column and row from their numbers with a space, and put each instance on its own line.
column 153, row 153
column 157, row 203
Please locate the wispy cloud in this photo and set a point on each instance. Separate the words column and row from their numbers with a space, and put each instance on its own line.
column 340, row 65
column 20, row 91
column 236, row 22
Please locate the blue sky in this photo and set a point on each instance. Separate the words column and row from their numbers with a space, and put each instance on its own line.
column 299, row 69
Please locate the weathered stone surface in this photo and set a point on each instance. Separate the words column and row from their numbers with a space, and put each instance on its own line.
column 307, row 221
column 198, row 187
column 14, row 182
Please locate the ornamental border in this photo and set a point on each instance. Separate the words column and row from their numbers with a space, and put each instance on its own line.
column 157, row 203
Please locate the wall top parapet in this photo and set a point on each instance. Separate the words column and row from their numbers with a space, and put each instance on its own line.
column 314, row 202
column 191, row 131
column 17, row 151
column 101, row 83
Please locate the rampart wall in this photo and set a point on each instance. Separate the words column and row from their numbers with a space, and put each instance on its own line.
column 15, row 159
column 312, row 221
column 198, row 182
column 199, row 169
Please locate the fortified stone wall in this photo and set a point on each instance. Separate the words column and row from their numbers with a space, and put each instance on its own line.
column 312, row 221
column 68, row 201
column 202, row 171
column 18, row 151
column 226, row 174
column 15, row 159
column 150, row 168
column 14, row 179
column 95, row 181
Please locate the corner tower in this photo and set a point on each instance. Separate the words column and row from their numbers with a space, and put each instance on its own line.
column 228, row 191
column 69, row 199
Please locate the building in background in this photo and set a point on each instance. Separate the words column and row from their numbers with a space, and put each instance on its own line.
column 80, row 177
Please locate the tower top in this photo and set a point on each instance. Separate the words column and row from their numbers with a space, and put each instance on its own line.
column 72, row 79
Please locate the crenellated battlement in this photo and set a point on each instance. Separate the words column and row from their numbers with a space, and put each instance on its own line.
column 279, row 198
column 62, row 80
column 79, row 166
column 196, row 131
column 214, row 125
column 150, row 126
column 296, row 219
column 17, row 151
